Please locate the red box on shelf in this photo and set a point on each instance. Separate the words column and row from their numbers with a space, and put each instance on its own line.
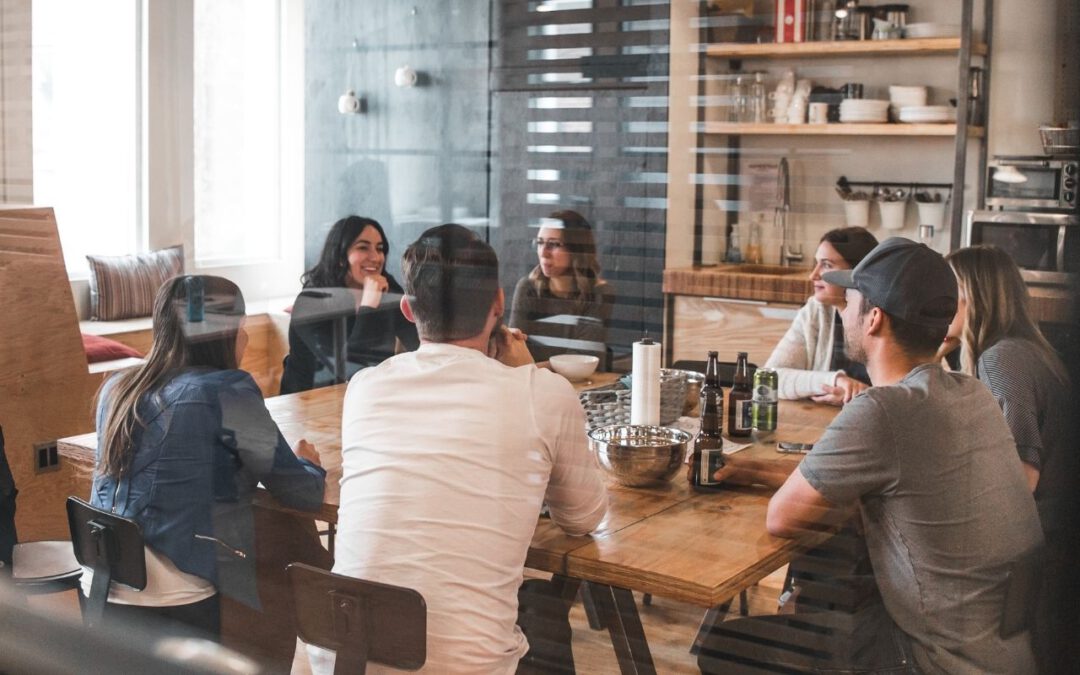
column 790, row 20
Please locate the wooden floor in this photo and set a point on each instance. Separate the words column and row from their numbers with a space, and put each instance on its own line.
column 669, row 626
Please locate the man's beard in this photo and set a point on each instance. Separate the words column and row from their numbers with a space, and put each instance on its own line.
column 853, row 342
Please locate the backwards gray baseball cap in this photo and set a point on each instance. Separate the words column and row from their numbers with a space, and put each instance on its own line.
column 907, row 280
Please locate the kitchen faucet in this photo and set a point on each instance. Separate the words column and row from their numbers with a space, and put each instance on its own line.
column 783, row 209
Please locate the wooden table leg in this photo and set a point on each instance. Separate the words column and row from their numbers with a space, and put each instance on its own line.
column 618, row 613
column 712, row 617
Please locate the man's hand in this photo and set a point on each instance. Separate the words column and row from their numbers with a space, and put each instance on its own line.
column 510, row 348
column 740, row 471
column 374, row 287
column 305, row 450
column 846, row 388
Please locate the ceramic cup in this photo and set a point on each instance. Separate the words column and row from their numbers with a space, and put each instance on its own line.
column 931, row 213
column 892, row 214
column 819, row 113
column 857, row 213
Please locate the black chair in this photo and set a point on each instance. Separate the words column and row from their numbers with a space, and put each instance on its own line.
column 110, row 545
column 727, row 369
column 360, row 620
column 34, row 567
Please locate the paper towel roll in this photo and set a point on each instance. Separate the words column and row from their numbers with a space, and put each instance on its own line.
column 645, row 383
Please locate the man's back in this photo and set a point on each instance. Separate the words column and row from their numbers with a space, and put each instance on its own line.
column 447, row 456
column 945, row 508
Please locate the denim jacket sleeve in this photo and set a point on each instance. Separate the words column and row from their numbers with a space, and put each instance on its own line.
column 264, row 453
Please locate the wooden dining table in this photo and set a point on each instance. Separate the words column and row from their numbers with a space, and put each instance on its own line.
column 665, row 540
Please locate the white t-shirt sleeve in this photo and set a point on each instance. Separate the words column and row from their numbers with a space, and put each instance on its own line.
column 576, row 496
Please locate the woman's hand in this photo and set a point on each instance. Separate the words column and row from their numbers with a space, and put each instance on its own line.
column 948, row 346
column 510, row 349
column 845, row 389
column 305, row 450
column 374, row 287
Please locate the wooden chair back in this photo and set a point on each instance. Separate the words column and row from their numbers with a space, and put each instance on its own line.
column 360, row 620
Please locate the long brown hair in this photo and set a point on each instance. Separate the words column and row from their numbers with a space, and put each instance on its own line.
column 997, row 307
column 178, row 344
column 584, row 265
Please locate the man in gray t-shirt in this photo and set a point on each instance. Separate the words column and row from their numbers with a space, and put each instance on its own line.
column 929, row 462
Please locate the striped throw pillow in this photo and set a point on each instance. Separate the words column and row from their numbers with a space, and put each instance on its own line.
column 124, row 286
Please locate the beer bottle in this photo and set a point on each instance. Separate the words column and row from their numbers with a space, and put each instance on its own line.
column 708, row 453
column 740, row 401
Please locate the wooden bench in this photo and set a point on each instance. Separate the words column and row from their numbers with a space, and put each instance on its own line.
column 267, row 327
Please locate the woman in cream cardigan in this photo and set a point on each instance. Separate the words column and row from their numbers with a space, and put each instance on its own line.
column 810, row 359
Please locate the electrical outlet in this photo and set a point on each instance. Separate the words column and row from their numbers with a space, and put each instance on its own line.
column 46, row 457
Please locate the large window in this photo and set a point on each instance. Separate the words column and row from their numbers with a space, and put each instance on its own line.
column 237, row 131
column 86, row 124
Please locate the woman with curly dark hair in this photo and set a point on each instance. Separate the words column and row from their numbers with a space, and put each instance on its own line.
column 348, row 288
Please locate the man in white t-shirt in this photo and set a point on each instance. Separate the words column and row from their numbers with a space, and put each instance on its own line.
column 448, row 454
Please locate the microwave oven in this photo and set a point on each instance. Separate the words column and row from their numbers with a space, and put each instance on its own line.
column 1032, row 183
column 1045, row 246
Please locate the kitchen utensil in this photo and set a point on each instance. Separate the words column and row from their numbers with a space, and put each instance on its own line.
column 639, row 455
column 896, row 14
column 574, row 367
column 694, row 380
column 857, row 212
column 892, row 214
column 846, row 24
column 864, row 21
column 1060, row 139
column 819, row 113
column 926, row 114
column 931, row 213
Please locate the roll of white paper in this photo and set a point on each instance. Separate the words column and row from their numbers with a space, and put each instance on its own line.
column 645, row 383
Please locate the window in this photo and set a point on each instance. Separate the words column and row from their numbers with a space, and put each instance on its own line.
column 237, row 131
column 87, row 124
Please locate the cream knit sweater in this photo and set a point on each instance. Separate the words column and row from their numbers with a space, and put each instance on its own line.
column 802, row 356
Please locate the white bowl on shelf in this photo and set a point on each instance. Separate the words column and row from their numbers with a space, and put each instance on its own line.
column 574, row 367
column 931, row 30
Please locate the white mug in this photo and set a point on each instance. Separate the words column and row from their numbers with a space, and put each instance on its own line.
column 348, row 103
column 819, row 113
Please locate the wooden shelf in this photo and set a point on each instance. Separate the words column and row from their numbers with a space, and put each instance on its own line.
column 732, row 128
column 911, row 47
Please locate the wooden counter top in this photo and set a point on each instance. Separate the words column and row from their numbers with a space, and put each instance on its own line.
column 741, row 282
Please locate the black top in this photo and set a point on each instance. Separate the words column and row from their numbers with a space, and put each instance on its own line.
column 371, row 334
column 562, row 325
column 840, row 360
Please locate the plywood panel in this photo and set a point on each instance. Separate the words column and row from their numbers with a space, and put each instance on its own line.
column 43, row 373
column 728, row 326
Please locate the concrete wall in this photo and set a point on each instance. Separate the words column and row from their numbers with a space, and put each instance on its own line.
column 417, row 156
column 16, row 123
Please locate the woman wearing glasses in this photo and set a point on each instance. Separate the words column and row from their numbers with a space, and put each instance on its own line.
column 348, row 292
column 563, row 304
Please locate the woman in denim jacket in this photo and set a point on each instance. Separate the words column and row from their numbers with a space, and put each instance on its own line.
column 183, row 441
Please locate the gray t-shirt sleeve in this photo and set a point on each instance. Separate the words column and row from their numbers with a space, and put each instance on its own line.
column 1010, row 377
column 855, row 457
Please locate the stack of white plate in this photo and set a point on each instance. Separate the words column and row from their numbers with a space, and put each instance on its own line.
column 864, row 110
column 900, row 97
column 931, row 30
column 927, row 114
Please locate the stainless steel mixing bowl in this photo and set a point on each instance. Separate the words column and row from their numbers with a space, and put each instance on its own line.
column 639, row 455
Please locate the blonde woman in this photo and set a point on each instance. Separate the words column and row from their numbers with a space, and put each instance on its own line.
column 1001, row 344
column 183, row 440
column 563, row 304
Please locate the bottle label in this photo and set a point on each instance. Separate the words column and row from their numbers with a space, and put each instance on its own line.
column 744, row 415
column 712, row 460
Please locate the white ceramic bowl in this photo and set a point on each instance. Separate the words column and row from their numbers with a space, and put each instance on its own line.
column 574, row 367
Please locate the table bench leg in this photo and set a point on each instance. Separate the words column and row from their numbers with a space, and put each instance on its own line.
column 618, row 613
column 712, row 617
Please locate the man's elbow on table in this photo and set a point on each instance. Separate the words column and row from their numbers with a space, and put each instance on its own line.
column 582, row 525
column 796, row 508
